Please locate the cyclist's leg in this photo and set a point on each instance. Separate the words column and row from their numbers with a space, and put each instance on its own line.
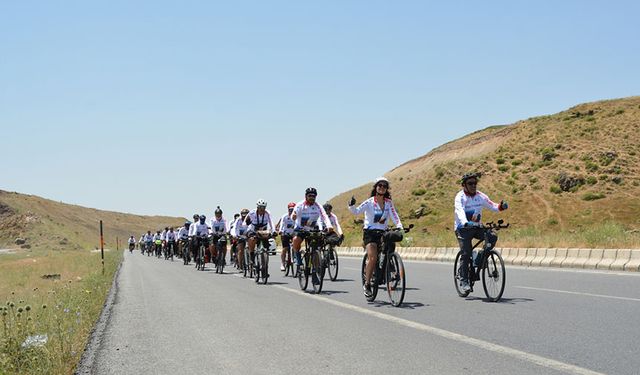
column 252, row 247
column 297, row 244
column 240, row 255
column 372, row 254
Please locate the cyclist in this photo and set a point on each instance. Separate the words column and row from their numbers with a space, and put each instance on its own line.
column 468, row 206
column 233, row 240
column 259, row 220
column 285, row 228
column 240, row 229
column 219, row 228
column 192, row 230
column 183, row 237
column 308, row 215
column 170, row 237
column 148, row 241
column 378, row 209
column 141, row 243
column 163, row 237
column 200, row 234
column 157, row 240
column 337, row 237
column 132, row 243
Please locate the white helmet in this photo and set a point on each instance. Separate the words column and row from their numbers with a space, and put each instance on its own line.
column 261, row 203
column 381, row 179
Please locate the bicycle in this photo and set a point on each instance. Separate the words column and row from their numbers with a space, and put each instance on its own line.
column 186, row 254
column 390, row 268
column 203, row 243
column 311, row 266
column 221, row 245
column 169, row 250
column 149, row 248
column 131, row 247
column 262, row 256
column 330, row 259
column 158, row 248
column 289, row 265
column 490, row 266
column 245, row 266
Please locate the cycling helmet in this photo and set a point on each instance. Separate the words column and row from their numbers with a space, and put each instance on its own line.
column 261, row 203
column 327, row 206
column 166, row 228
column 187, row 224
column 196, row 216
column 291, row 205
column 311, row 190
column 467, row 176
column 244, row 211
column 218, row 211
column 202, row 217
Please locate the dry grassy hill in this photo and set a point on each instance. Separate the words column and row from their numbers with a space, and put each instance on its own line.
column 47, row 224
column 572, row 179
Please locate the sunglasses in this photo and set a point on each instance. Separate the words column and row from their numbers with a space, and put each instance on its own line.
column 311, row 195
column 472, row 183
column 383, row 186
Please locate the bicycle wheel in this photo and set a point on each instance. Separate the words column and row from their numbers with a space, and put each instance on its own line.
column 264, row 267
column 493, row 276
column 303, row 274
column 318, row 271
column 333, row 264
column 373, row 282
column 258, row 266
column 456, row 276
column 396, row 279
column 290, row 266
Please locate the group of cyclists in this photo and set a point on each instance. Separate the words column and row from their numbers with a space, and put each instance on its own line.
column 249, row 229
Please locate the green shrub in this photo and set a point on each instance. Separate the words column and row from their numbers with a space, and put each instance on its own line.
column 418, row 192
column 591, row 180
column 533, row 180
column 503, row 168
column 555, row 189
column 500, row 161
column 590, row 166
column 552, row 221
column 516, row 162
column 592, row 196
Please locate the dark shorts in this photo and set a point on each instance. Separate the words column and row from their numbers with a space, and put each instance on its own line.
column 371, row 236
column 286, row 240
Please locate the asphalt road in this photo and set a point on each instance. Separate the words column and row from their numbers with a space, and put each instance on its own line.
column 169, row 318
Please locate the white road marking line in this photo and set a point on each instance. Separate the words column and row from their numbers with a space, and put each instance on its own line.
column 351, row 269
column 579, row 293
column 518, row 354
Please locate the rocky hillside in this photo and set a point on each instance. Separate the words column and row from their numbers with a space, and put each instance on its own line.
column 572, row 179
column 46, row 224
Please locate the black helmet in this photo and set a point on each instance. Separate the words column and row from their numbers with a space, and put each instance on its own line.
column 467, row 176
column 187, row 224
column 202, row 217
column 218, row 211
column 327, row 206
column 244, row 211
column 196, row 216
column 311, row 190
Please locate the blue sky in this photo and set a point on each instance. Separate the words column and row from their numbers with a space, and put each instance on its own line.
column 173, row 107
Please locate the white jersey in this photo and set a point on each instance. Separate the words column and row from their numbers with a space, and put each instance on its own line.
column 132, row 240
column 376, row 217
column 141, row 239
column 157, row 237
column 183, row 233
column 469, row 207
column 219, row 226
column 239, row 228
column 287, row 224
column 310, row 216
column 163, row 235
column 335, row 223
column 200, row 229
column 259, row 222
column 148, row 238
column 170, row 236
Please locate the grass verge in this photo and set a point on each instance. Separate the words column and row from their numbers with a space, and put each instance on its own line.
column 64, row 309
